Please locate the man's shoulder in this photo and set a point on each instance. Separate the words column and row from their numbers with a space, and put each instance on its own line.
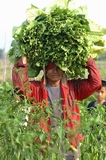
column 35, row 82
column 104, row 103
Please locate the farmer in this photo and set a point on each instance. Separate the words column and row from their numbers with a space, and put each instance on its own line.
column 55, row 86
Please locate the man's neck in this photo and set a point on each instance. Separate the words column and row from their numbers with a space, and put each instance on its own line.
column 54, row 84
column 100, row 102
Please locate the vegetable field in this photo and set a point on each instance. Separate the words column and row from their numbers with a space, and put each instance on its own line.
column 102, row 68
column 17, row 138
column 5, row 70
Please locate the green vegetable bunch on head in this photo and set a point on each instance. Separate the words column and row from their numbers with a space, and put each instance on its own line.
column 59, row 36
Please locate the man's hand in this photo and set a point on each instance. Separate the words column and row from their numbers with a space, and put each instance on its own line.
column 24, row 59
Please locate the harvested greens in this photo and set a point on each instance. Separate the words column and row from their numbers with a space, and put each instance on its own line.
column 59, row 35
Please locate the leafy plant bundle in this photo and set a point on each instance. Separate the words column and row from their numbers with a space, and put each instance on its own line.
column 59, row 36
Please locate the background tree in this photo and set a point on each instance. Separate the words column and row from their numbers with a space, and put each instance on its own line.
column 1, row 53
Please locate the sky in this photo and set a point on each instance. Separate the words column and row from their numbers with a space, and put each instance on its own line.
column 13, row 13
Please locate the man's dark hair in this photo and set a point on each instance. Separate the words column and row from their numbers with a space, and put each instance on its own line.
column 103, row 83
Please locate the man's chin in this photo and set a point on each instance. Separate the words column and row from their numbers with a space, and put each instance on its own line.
column 55, row 80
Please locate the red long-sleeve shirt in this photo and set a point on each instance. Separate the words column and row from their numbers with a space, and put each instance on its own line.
column 71, row 90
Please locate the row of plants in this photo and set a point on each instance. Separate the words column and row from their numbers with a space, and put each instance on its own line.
column 94, row 130
column 17, row 134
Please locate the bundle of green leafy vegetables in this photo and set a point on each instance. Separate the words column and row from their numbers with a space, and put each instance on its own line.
column 59, row 36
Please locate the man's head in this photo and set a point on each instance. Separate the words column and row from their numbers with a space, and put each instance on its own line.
column 101, row 94
column 53, row 73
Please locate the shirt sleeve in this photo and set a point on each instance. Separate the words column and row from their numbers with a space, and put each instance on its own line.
column 86, row 87
column 20, row 77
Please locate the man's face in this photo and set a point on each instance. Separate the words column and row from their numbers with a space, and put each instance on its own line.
column 101, row 94
column 54, row 74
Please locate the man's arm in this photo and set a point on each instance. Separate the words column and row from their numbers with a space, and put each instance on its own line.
column 86, row 87
column 20, row 75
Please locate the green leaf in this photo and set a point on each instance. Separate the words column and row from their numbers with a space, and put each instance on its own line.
column 42, row 136
column 32, row 13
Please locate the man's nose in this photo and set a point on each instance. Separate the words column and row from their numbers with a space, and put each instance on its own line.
column 55, row 69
